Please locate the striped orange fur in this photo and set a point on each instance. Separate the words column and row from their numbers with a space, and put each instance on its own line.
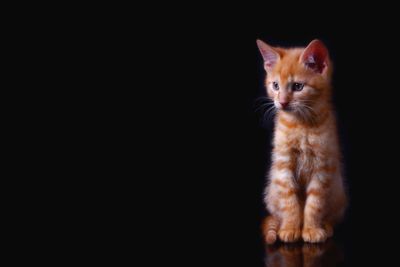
column 305, row 194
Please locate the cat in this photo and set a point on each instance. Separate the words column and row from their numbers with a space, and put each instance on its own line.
column 305, row 193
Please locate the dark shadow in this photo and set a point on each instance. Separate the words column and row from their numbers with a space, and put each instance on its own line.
column 327, row 254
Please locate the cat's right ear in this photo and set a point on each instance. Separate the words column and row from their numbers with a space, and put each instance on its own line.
column 269, row 55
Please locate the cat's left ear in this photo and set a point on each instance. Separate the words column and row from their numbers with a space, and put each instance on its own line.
column 269, row 55
column 316, row 56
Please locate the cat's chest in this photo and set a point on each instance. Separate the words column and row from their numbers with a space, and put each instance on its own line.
column 304, row 159
column 303, row 148
column 299, row 140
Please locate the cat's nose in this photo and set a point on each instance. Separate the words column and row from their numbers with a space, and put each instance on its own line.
column 284, row 104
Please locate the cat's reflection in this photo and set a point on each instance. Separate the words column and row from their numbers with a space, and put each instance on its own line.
column 327, row 254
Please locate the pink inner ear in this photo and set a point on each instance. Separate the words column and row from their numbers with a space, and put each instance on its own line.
column 270, row 59
column 315, row 56
column 316, row 65
column 269, row 55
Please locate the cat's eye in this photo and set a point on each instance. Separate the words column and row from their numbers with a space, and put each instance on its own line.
column 297, row 87
column 275, row 86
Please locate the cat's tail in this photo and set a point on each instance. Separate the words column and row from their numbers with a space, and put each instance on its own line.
column 270, row 229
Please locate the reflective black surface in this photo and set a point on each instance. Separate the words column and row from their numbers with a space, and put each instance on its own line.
column 327, row 254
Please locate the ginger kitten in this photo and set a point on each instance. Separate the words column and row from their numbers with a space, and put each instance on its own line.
column 305, row 194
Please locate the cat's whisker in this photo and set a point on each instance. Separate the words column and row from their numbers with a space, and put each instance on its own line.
column 268, row 113
column 306, row 112
column 305, row 101
column 264, row 106
column 272, row 114
column 263, row 98
column 262, row 103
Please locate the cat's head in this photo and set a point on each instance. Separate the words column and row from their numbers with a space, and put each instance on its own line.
column 298, row 79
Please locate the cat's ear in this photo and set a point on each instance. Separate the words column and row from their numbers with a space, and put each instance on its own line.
column 269, row 55
column 316, row 56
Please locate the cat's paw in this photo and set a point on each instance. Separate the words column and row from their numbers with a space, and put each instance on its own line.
column 289, row 235
column 314, row 235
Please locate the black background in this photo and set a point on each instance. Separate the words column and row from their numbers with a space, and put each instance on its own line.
column 165, row 129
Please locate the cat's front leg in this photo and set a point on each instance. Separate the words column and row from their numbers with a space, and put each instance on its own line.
column 285, row 202
column 314, row 230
